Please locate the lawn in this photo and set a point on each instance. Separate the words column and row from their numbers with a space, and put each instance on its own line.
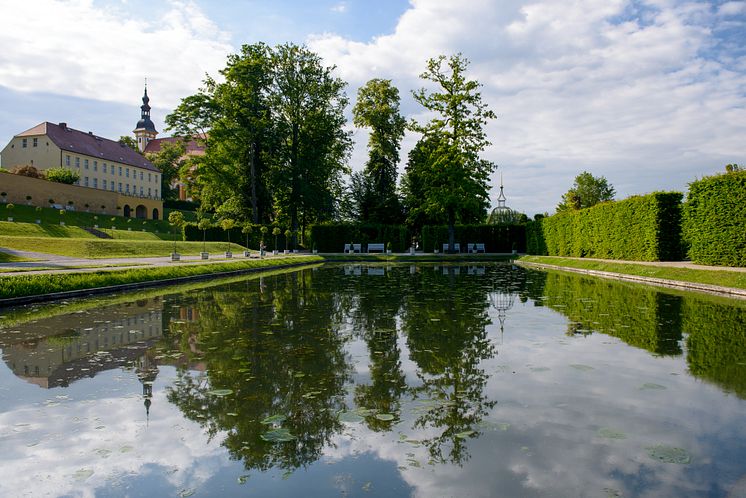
column 722, row 278
column 31, row 285
column 10, row 258
column 110, row 248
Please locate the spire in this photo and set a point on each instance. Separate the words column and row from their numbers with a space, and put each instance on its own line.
column 501, row 198
column 145, row 129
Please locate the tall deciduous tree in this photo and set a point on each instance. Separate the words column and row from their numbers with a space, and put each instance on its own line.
column 374, row 192
column 307, row 105
column 453, row 177
column 233, row 117
column 587, row 191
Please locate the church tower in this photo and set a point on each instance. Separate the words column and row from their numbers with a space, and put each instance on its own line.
column 145, row 129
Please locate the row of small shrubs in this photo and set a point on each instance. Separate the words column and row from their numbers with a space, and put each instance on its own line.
column 215, row 233
column 714, row 220
column 496, row 238
column 332, row 237
column 640, row 228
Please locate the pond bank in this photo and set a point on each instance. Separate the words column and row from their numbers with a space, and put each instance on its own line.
column 730, row 282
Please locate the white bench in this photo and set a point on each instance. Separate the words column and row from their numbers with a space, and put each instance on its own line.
column 456, row 247
column 475, row 247
column 351, row 248
column 375, row 247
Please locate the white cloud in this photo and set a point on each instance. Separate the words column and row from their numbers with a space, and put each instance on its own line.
column 340, row 7
column 76, row 48
column 638, row 92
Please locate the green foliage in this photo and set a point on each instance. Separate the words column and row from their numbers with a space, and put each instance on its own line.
column 62, row 175
column 640, row 228
column 373, row 191
column 496, row 238
column 332, row 237
column 447, row 180
column 129, row 142
column 714, row 220
column 176, row 218
column 168, row 160
column 587, row 191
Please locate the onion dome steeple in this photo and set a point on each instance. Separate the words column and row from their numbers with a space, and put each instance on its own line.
column 145, row 130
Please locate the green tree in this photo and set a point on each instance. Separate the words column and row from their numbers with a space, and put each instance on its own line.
column 168, row 160
column 233, row 171
column 453, row 179
column 308, row 113
column 587, row 191
column 62, row 175
column 374, row 190
column 176, row 220
column 129, row 142
column 204, row 224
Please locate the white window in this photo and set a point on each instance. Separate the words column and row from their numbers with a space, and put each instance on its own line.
column 120, row 171
column 140, row 175
column 77, row 162
column 67, row 160
column 104, row 166
column 112, row 186
column 128, row 188
column 104, row 184
column 140, row 191
column 24, row 143
column 95, row 183
column 127, row 172
column 85, row 163
column 150, row 192
column 95, row 165
column 149, row 177
column 120, row 186
column 36, row 142
column 86, row 181
column 156, row 193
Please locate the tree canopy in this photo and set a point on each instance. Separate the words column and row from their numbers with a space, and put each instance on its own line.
column 447, row 180
column 587, row 191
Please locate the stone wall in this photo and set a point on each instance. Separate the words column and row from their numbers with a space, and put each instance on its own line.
column 99, row 201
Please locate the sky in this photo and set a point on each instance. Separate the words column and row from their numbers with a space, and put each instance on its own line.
column 650, row 94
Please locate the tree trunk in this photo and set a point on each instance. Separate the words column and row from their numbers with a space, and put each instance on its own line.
column 252, row 175
column 451, row 230
column 294, row 181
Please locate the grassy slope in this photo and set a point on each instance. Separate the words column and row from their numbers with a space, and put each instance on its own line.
column 30, row 285
column 9, row 258
column 110, row 248
column 723, row 278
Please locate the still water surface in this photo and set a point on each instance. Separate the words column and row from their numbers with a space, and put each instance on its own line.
column 396, row 380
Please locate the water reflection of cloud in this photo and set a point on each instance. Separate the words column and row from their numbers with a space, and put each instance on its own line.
column 52, row 450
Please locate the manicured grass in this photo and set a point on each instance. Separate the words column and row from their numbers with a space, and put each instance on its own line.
column 110, row 248
column 19, row 229
column 722, row 278
column 31, row 285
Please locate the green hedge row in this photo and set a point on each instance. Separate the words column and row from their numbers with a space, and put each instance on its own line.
column 332, row 237
column 714, row 220
column 217, row 234
column 496, row 238
column 639, row 228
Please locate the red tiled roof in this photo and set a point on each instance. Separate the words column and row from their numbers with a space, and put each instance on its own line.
column 89, row 144
column 192, row 148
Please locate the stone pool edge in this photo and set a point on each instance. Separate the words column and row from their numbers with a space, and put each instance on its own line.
column 660, row 282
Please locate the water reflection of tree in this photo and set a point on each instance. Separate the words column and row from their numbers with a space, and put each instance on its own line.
column 276, row 346
column 374, row 309
column 445, row 318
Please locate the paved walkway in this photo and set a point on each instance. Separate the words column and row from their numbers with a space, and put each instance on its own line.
column 54, row 263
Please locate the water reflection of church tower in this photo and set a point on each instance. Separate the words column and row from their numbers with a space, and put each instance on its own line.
column 502, row 301
column 146, row 371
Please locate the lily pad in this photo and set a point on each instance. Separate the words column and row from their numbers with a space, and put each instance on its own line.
column 652, row 386
column 669, row 454
column 465, row 434
column 609, row 433
column 274, row 419
column 220, row 392
column 582, row 368
column 278, row 436
column 385, row 416
column 350, row 417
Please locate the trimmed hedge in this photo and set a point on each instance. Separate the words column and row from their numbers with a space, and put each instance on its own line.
column 332, row 237
column 714, row 220
column 639, row 228
column 496, row 238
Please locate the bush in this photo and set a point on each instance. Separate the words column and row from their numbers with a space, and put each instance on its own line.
column 640, row 228
column 27, row 170
column 496, row 238
column 62, row 175
column 332, row 237
column 714, row 220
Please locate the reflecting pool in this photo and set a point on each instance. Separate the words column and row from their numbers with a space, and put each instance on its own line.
column 377, row 380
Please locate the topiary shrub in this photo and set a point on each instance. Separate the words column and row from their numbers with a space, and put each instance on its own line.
column 62, row 175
